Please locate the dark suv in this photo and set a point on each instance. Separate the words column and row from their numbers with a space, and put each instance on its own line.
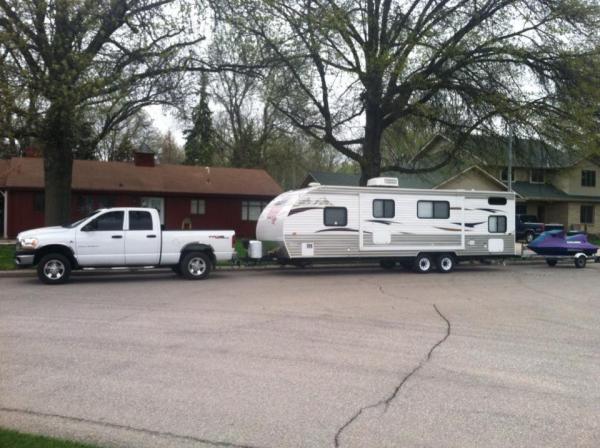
column 528, row 228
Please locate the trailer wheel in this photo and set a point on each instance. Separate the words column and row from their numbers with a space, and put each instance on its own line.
column 551, row 262
column 423, row 264
column 580, row 261
column 54, row 269
column 195, row 266
column 387, row 264
column 445, row 263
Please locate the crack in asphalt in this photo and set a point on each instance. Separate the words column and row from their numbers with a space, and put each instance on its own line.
column 386, row 401
column 127, row 428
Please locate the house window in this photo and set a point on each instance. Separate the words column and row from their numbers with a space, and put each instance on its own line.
column 588, row 178
column 85, row 205
column 504, row 175
column 198, row 207
column 497, row 224
column 521, row 209
column 335, row 216
column 384, row 208
column 38, row 202
column 140, row 220
column 586, row 214
column 433, row 209
column 537, row 176
column 105, row 202
column 251, row 210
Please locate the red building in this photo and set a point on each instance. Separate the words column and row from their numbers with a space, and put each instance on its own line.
column 186, row 196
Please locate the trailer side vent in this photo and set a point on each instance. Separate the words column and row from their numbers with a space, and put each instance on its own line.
column 382, row 182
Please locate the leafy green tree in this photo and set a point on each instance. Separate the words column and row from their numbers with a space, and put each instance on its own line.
column 63, row 58
column 199, row 146
column 354, row 68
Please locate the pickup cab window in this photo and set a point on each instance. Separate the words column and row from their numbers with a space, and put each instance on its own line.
column 139, row 220
column 110, row 221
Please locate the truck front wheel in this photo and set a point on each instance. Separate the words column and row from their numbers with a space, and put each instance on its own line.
column 54, row 269
column 195, row 266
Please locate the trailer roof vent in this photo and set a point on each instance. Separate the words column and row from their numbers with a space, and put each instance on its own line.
column 382, row 182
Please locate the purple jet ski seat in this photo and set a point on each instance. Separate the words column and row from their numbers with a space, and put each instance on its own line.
column 555, row 243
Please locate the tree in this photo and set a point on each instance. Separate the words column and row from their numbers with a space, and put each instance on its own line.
column 124, row 138
column 247, row 121
column 199, row 146
column 170, row 151
column 353, row 68
column 68, row 57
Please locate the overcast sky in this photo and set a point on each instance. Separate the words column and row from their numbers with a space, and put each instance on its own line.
column 165, row 121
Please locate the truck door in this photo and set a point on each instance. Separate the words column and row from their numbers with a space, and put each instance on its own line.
column 100, row 242
column 142, row 239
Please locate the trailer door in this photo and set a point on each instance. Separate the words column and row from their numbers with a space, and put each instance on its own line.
column 378, row 216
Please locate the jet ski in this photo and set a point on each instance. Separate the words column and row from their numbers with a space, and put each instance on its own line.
column 555, row 243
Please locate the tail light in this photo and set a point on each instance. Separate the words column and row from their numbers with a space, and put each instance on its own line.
column 233, row 242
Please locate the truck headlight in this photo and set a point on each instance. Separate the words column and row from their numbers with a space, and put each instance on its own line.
column 28, row 243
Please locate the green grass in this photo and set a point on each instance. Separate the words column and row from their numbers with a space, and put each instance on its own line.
column 594, row 239
column 14, row 439
column 7, row 253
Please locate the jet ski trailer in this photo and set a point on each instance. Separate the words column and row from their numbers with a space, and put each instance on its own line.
column 555, row 245
column 417, row 229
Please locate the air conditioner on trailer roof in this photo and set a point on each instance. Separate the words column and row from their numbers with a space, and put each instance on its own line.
column 382, row 182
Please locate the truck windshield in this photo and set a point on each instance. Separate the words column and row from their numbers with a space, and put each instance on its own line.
column 76, row 223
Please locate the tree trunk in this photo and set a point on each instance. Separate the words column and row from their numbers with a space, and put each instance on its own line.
column 59, row 138
column 371, row 164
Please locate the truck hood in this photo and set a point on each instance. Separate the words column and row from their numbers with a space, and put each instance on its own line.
column 40, row 231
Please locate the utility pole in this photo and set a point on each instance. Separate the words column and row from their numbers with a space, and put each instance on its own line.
column 509, row 157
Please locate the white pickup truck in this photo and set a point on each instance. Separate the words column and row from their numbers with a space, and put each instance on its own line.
column 121, row 237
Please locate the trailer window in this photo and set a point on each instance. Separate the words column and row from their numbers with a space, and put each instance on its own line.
column 335, row 216
column 497, row 224
column 496, row 201
column 384, row 208
column 433, row 209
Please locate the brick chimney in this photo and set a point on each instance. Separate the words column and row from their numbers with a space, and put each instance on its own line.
column 143, row 158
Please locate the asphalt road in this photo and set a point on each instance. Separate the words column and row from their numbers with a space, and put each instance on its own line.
column 488, row 356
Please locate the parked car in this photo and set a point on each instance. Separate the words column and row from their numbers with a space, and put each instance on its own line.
column 121, row 237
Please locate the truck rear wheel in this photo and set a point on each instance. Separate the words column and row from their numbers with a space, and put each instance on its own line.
column 195, row 266
column 54, row 269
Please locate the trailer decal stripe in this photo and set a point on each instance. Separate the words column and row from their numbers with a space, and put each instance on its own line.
column 337, row 229
column 303, row 209
column 469, row 224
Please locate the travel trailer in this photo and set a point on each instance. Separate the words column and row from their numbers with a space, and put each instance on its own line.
column 418, row 229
